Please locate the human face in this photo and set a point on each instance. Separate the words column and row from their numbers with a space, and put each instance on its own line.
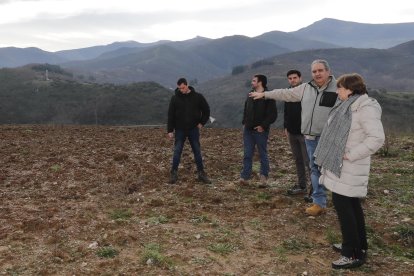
column 319, row 74
column 183, row 88
column 294, row 80
column 343, row 93
column 255, row 83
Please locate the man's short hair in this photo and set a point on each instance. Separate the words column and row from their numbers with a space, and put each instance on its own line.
column 181, row 81
column 294, row 71
column 322, row 61
column 262, row 79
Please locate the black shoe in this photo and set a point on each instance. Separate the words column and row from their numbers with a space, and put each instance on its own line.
column 296, row 190
column 203, row 177
column 338, row 248
column 345, row 262
column 173, row 177
column 308, row 199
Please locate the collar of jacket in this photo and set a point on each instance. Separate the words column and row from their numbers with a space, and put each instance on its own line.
column 324, row 87
column 178, row 92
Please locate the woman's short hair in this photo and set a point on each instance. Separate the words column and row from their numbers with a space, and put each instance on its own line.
column 353, row 82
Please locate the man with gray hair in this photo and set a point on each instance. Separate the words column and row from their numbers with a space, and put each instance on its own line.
column 317, row 98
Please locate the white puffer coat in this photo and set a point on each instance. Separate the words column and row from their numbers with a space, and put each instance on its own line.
column 366, row 136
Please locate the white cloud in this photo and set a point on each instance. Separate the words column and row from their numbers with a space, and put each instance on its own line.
column 67, row 24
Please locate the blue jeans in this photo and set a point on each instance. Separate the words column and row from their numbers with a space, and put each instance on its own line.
column 193, row 136
column 319, row 192
column 251, row 138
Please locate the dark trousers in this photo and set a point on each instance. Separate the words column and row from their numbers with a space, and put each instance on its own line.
column 298, row 147
column 193, row 136
column 251, row 139
column 351, row 219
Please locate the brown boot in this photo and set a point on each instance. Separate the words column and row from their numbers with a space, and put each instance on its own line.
column 315, row 210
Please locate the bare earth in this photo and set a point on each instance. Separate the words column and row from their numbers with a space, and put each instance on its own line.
column 94, row 200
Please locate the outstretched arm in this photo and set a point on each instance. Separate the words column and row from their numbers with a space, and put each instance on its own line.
column 256, row 95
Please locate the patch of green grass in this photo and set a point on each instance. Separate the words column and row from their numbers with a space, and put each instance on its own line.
column 107, row 252
column 296, row 245
column 406, row 234
column 332, row 236
column 187, row 199
column 157, row 220
column 402, row 170
column 55, row 168
column 152, row 255
column 120, row 214
column 263, row 196
column 256, row 167
column 281, row 253
column 200, row 219
column 222, row 248
column 225, row 235
column 201, row 260
column 293, row 245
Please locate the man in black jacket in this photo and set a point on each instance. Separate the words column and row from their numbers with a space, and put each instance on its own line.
column 258, row 115
column 292, row 125
column 188, row 112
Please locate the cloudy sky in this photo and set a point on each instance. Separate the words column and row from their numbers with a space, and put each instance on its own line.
column 54, row 25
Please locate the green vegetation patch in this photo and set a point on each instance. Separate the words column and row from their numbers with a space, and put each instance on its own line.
column 121, row 214
column 107, row 252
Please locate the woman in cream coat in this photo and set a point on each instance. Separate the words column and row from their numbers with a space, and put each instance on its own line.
column 352, row 134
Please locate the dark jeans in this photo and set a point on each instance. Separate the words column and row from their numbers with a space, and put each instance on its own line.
column 351, row 219
column 251, row 138
column 298, row 147
column 193, row 136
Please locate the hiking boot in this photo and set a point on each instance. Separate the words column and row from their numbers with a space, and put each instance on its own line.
column 243, row 182
column 173, row 177
column 203, row 177
column 345, row 262
column 296, row 190
column 263, row 182
column 315, row 210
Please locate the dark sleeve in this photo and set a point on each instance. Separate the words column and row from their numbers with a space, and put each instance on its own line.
column 205, row 110
column 285, row 116
column 271, row 113
column 171, row 116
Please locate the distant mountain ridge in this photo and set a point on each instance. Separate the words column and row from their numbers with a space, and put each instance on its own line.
column 357, row 35
column 326, row 33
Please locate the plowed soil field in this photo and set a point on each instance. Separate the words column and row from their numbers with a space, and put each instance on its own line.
column 85, row 200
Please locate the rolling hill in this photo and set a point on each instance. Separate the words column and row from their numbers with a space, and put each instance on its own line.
column 28, row 97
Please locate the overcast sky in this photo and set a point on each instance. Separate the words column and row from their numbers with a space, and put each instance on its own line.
column 54, row 25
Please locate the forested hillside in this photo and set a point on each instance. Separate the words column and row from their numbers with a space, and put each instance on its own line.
column 28, row 95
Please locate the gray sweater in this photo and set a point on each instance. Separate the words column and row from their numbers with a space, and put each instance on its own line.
column 316, row 103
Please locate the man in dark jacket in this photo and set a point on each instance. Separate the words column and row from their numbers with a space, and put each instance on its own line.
column 292, row 124
column 188, row 112
column 258, row 115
